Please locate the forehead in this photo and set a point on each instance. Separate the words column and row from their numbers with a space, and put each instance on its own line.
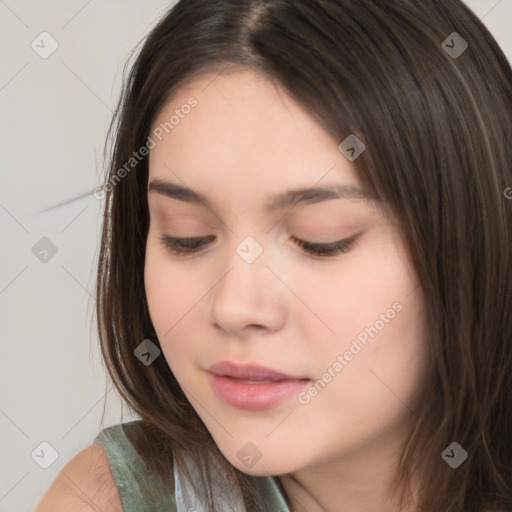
column 244, row 130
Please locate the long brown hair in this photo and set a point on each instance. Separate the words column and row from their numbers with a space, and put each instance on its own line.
column 436, row 119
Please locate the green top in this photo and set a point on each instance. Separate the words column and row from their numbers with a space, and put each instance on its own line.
column 133, row 481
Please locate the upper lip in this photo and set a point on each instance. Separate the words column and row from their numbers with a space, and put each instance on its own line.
column 250, row 371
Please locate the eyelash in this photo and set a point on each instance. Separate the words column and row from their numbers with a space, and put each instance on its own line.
column 175, row 245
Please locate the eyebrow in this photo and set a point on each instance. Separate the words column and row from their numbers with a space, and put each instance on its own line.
column 276, row 202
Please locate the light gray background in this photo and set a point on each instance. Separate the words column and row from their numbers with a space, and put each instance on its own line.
column 54, row 117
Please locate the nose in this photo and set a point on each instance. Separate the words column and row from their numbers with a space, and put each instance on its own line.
column 248, row 298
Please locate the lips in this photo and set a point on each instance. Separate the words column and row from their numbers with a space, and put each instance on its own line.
column 253, row 387
column 250, row 372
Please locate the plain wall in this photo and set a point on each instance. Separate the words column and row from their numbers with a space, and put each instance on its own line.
column 55, row 113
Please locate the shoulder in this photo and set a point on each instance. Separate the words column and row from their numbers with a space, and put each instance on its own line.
column 84, row 484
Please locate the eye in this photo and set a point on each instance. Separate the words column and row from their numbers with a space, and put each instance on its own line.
column 327, row 250
column 188, row 246
column 184, row 246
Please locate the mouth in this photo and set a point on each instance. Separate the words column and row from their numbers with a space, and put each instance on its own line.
column 253, row 387
column 253, row 381
column 253, row 372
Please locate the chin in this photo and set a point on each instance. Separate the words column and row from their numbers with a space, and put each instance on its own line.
column 262, row 467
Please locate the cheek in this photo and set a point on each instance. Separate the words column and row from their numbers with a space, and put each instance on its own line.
column 373, row 290
column 369, row 376
column 173, row 297
column 378, row 347
column 384, row 357
column 159, row 283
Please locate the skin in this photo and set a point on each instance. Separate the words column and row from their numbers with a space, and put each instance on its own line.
column 288, row 310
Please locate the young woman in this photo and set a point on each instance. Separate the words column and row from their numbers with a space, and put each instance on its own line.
column 304, row 286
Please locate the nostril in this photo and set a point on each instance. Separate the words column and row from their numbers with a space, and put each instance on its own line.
column 255, row 327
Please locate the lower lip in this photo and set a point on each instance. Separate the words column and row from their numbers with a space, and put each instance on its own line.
column 255, row 397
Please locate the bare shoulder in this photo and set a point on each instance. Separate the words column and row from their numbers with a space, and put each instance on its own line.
column 84, row 484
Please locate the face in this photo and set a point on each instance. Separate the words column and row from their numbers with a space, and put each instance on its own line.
column 343, row 325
